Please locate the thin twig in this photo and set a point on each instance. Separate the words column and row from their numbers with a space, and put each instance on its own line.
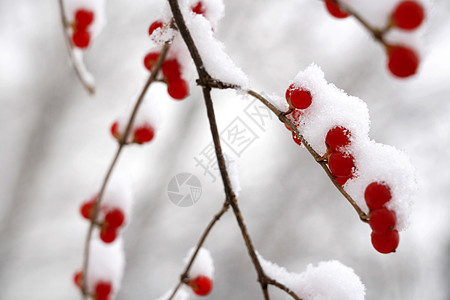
column 231, row 198
column 184, row 278
column 122, row 143
column 90, row 88
column 282, row 287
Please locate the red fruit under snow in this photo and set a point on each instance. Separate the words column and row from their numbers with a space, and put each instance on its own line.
column 408, row 15
column 155, row 25
column 178, row 89
column 115, row 218
column 77, row 278
column 171, row 69
column 87, row 208
column 81, row 39
column 402, row 61
column 198, row 8
column 150, row 60
column 377, row 194
column 83, row 18
column 385, row 242
column 102, row 290
column 143, row 134
column 108, row 234
column 298, row 97
column 335, row 10
column 382, row 220
column 337, row 137
column 296, row 139
column 115, row 130
column 201, row 285
column 343, row 180
column 341, row 164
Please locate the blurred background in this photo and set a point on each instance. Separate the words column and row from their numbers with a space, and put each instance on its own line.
column 56, row 148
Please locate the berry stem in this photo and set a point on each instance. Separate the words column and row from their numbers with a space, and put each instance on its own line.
column 121, row 144
column 90, row 88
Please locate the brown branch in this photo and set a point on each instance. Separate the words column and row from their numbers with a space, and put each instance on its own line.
column 184, row 277
column 230, row 196
column 282, row 287
column 213, row 83
column 122, row 143
column 90, row 88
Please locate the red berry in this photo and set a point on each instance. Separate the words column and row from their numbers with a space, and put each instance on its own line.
column 114, row 130
column 408, row 15
column 171, row 69
column 102, row 290
column 81, row 39
column 341, row 164
column 87, row 209
column 385, row 242
column 78, row 278
column 337, row 137
column 198, row 8
column 178, row 89
column 201, row 285
column 402, row 61
column 343, row 180
column 150, row 60
column 296, row 139
column 335, row 10
column 377, row 194
column 143, row 134
column 108, row 234
column 155, row 25
column 382, row 220
column 298, row 97
column 115, row 218
column 83, row 18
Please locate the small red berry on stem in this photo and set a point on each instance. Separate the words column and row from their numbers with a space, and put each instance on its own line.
column 335, row 10
column 408, row 15
column 78, row 278
column 382, row 220
column 377, row 194
column 155, row 25
column 201, row 285
column 337, row 137
column 143, row 134
column 83, row 18
column 341, row 164
column 385, row 242
column 171, row 69
column 198, row 8
column 115, row 130
column 150, row 60
column 81, row 39
column 87, row 208
column 298, row 97
column 115, row 218
column 108, row 234
column 343, row 180
column 178, row 89
column 402, row 61
column 102, row 290
column 296, row 139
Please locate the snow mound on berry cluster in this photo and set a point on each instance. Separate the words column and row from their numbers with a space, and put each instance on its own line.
column 332, row 107
column 329, row 280
column 203, row 263
column 106, row 263
column 118, row 194
column 180, row 295
column 148, row 113
column 97, row 6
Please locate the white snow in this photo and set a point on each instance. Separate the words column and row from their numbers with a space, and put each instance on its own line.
column 232, row 164
column 203, row 264
column 180, row 295
column 106, row 263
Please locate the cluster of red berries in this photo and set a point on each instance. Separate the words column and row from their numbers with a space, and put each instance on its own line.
column 385, row 238
column 141, row 134
column 113, row 220
column 103, row 289
column 81, row 36
column 201, row 285
column 298, row 100
column 407, row 15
